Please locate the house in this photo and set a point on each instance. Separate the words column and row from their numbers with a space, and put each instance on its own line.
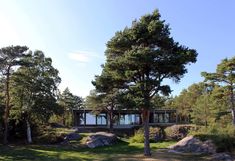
column 87, row 121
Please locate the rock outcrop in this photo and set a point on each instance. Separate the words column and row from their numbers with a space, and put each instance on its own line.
column 222, row 156
column 101, row 139
column 72, row 136
column 194, row 145
column 69, row 137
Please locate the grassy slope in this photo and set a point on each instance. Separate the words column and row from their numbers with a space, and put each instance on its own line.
column 120, row 151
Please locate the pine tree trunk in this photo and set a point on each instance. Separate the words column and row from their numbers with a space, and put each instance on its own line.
column 7, row 109
column 233, row 116
column 147, row 151
column 29, row 136
column 232, row 103
column 5, row 140
column 111, row 121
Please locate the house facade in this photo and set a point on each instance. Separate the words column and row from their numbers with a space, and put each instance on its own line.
column 123, row 118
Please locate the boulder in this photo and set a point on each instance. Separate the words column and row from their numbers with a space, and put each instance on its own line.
column 192, row 144
column 177, row 132
column 72, row 136
column 101, row 139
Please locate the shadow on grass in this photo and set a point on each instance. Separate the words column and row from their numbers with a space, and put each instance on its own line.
column 28, row 153
column 120, row 151
column 68, row 153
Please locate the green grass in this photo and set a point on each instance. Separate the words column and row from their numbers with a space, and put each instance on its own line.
column 121, row 151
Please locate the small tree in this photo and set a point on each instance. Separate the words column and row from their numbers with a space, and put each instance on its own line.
column 225, row 76
column 141, row 57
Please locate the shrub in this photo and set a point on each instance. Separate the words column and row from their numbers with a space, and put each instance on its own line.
column 139, row 135
column 137, row 138
column 48, row 135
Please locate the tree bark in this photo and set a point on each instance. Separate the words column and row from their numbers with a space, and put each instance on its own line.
column 233, row 116
column 29, row 136
column 147, row 151
column 7, row 108
column 111, row 120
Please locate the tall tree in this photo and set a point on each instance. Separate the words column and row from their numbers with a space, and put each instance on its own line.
column 141, row 57
column 225, row 76
column 1, row 103
column 35, row 90
column 9, row 58
column 203, row 111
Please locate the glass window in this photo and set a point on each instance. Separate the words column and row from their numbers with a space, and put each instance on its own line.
column 137, row 119
column 81, row 118
column 161, row 119
column 122, row 120
column 90, row 119
column 116, row 119
column 129, row 119
column 101, row 119
column 156, row 118
column 167, row 117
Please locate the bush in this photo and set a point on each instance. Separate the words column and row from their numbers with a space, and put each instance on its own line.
column 139, row 135
column 137, row 138
column 48, row 135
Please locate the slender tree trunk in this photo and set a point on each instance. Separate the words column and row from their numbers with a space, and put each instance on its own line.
column 111, row 121
column 147, row 151
column 233, row 116
column 7, row 108
column 29, row 136
column 63, row 119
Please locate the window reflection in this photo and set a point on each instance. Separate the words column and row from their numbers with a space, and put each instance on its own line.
column 81, row 118
column 129, row 119
column 101, row 119
column 90, row 119
column 161, row 117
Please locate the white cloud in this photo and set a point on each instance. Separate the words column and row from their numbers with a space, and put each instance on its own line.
column 83, row 56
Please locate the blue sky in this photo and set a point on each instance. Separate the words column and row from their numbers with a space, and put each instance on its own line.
column 74, row 32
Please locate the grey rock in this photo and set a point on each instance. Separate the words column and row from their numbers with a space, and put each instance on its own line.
column 72, row 136
column 101, row 139
column 194, row 145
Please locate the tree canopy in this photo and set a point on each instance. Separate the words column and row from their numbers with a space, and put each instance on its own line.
column 34, row 90
column 141, row 57
column 9, row 57
column 225, row 76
